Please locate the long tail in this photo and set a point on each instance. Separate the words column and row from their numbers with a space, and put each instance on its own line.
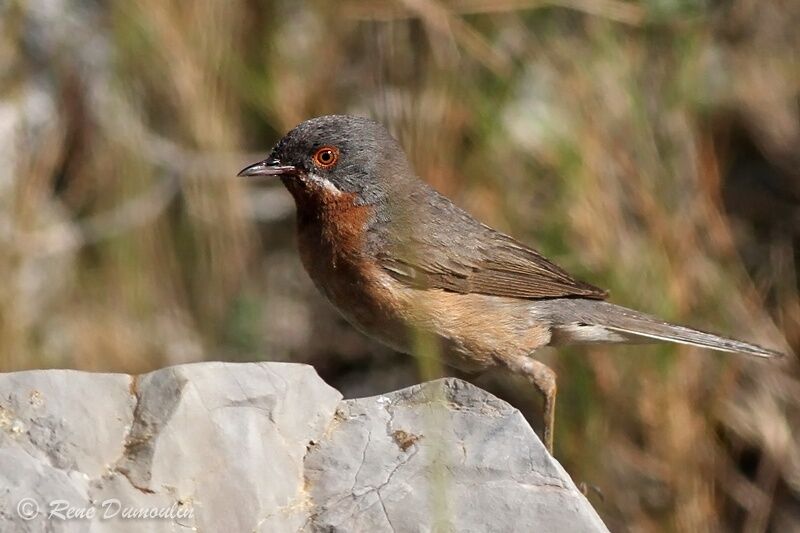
column 582, row 321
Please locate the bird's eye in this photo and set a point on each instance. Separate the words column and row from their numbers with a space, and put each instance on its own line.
column 326, row 157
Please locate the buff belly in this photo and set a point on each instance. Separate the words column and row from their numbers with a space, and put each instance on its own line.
column 474, row 332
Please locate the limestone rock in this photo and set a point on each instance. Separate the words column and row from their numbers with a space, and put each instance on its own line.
column 270, row 447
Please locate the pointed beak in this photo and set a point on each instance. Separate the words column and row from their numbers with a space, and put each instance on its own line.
column 268, row 167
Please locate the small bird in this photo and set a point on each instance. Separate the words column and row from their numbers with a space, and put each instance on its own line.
column 397, row 258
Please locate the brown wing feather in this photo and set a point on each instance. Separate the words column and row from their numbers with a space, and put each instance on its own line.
column 443, row 247
column 503, row 268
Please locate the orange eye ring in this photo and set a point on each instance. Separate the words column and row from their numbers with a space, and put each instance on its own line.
column 326, row 157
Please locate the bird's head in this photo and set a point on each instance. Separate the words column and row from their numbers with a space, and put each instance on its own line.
column 337, row 154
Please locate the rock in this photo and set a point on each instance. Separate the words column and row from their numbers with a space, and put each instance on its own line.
column 270, row 447
column 442, row 456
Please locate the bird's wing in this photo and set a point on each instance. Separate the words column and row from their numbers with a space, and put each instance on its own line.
column 473, row 258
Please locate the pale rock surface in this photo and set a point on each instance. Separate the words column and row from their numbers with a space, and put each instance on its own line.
column 270, row 447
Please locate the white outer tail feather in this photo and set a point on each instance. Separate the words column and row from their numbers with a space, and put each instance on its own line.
column 581, row 321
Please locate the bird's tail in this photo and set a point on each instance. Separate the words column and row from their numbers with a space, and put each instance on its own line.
column 583, row 321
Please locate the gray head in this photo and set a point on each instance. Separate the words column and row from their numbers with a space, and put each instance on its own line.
column 339, row 154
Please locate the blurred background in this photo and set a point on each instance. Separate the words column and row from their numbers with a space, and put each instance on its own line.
column 649, row 147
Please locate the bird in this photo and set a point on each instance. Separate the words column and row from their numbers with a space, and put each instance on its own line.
column 398, row 259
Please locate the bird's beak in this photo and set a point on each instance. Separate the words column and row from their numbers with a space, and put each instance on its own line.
column 268, row 167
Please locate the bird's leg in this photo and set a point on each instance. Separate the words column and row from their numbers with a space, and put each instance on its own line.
column 544, row 379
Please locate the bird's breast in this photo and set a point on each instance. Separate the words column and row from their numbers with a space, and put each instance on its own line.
column 331, row 228
column 332, row 238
